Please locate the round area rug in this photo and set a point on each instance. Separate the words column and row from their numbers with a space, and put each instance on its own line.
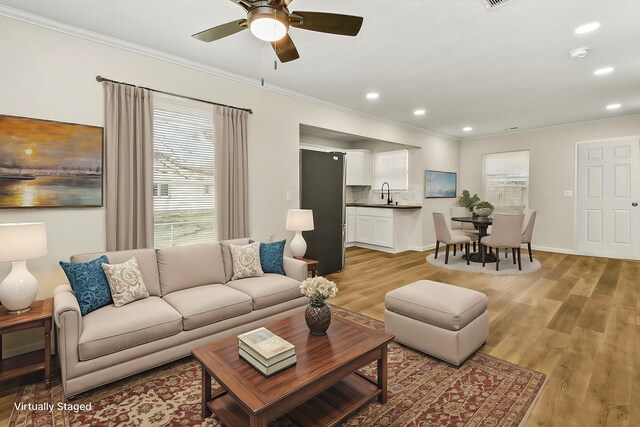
column 507, row 267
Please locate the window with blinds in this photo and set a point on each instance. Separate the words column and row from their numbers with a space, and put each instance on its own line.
column 391, row 167
column 506, row 180
column 183, row 174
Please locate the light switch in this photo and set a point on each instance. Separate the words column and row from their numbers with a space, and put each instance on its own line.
column 289, row 196
column 568, row 193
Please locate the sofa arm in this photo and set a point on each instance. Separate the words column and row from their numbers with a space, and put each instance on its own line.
column 64, row 301
column 295, row 268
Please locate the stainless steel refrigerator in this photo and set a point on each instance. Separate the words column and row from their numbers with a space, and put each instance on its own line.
column 322, row 187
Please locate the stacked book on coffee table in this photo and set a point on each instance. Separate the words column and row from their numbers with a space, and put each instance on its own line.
column 266, row 352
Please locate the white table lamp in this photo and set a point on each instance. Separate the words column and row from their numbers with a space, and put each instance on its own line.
column 18, row 243
column 299, row 220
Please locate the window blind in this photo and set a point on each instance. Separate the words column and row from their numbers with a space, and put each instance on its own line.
column 183, row 174
column 506, row 180
column 392, row 167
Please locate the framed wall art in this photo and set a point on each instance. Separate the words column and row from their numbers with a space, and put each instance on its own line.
column 47, row 164
column 440, row 185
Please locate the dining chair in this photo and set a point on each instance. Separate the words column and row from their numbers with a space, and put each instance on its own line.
column 506, row 233
column 527, row 229
column 449, row 237
column 465, row 227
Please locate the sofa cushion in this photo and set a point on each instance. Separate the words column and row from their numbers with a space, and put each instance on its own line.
column 89, row 283
column 111, row 329
column 271, row 257
column 246, row 261
column 183, row 267
column 445, row 306
column 147, row 263
column 125, row 281
column 268, row 290
column 226, row 253
column 205, row 305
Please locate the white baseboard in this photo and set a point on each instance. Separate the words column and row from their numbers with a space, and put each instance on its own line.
column 556, row 250
column 433, row 246
column 375, row 248
column 422, row 248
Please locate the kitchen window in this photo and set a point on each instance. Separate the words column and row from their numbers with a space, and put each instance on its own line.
column 183, row 143
column 392, row 167
column 506, row 180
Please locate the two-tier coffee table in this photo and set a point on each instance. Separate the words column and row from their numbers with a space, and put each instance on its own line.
column 323, row 388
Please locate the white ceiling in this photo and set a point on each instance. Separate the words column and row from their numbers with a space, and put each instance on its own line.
column 465, row 64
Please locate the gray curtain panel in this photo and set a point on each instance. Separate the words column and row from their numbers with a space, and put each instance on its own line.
column 231, row 165
column 129, row 166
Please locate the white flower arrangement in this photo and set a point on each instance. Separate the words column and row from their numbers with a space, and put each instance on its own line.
column 318, row 289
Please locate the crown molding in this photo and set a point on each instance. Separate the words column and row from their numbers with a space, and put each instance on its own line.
column 74, row 31
column 521, row 131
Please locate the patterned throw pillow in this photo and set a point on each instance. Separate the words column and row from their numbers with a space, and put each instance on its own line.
column 125, row 281
column 246, row 261
column 89, row 283
column 271, row 255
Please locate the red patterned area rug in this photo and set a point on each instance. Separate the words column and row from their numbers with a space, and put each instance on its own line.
column 423, row 391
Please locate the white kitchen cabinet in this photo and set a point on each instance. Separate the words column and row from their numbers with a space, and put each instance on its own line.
column 384, row 229
column 351, row 225
column 359, row 167
column 374, row 226
column 383, row 232
column 364, row 228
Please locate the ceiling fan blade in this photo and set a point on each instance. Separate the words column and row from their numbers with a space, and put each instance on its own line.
column 344, row 25
column 285, row 49
column 221, row 31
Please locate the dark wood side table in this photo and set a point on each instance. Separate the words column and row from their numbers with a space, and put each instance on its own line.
column 312, row 266
column 39, row 316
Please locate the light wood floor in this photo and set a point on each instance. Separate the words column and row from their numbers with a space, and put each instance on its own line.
column 575, row 320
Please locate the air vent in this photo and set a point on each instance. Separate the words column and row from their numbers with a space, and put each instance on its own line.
column 493, row 3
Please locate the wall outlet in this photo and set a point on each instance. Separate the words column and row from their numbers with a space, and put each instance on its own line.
column 289, row 196
column 568, row 193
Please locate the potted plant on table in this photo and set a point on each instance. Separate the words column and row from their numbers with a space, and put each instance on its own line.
column 318, row 313
column 483, row 209
column 468, row 201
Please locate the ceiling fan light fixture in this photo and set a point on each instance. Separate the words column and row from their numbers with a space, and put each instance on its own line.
column 268, row 24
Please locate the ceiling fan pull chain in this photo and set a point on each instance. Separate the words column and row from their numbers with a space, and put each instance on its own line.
column 275, row 65
column 262, row 65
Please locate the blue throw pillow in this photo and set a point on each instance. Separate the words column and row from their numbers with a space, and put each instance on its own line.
column 89, row 283
column 271, row 255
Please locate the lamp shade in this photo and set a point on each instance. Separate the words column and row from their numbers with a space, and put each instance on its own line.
column 299, row 220
column 24, row 241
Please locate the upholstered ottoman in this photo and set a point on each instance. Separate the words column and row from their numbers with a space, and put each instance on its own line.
column 442, row 320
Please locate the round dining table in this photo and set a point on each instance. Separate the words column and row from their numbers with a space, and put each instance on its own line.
column 481, row 224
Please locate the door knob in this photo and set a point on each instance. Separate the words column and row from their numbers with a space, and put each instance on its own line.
column 634, row 204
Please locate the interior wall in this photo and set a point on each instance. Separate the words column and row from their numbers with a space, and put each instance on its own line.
column 318, row 141
column 51, row 75
column 551, row 170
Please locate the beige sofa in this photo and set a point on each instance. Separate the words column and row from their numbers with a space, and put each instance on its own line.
column 192, row 302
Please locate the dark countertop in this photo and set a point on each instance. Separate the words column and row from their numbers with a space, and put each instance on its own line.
column 365, row 205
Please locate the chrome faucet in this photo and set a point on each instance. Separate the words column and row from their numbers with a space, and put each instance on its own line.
column 389, row 201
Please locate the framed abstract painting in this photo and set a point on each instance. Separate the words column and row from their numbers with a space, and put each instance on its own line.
column 47, row 164
column 440, row 185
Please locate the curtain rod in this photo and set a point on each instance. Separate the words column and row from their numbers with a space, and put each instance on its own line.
column 102, row 79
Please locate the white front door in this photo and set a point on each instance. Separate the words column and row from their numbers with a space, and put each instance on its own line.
column 608, row 194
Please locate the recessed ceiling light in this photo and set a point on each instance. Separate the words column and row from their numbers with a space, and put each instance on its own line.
column 420, row 112
column 373, row 95
column 580, row 52
column 613, row 106
column 587, row 28
column 467, row 129
column 605, row 70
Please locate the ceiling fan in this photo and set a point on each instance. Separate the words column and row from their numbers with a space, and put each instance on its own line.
column 269, row 20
